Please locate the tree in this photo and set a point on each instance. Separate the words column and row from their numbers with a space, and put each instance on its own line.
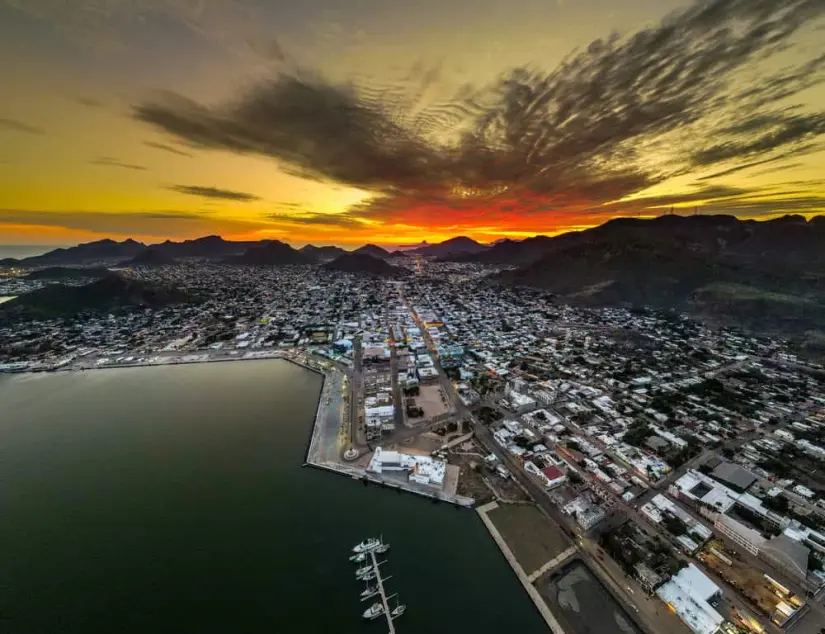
column 674, row 525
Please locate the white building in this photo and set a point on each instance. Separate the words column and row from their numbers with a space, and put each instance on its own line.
column 689, row 594
column 749, row 539
column 521, row 403
column 421, row 469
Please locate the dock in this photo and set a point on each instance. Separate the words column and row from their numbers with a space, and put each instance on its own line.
column 382, row 592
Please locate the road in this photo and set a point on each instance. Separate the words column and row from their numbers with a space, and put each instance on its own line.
column 356, row 389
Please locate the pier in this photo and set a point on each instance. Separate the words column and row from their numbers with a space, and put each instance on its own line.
column 382, row 592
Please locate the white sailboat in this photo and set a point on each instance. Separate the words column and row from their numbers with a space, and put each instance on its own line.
column 366, row 546
column 369, row 576
column 369, row 591
column 363, row 570
column 376, row 609
column 398, row 610
column 358, row 558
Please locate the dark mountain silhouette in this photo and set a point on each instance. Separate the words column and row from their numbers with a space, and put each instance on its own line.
column 68, row 273
column 109, row 294
column 460, row 245
column 213, row 247
column 508, row 252
column 769, row 275
column 273, row 253
column 101, row 250
column 400, row 254
column 150, row 256
column 363, row 263
column 322, row 253
column 373, row 250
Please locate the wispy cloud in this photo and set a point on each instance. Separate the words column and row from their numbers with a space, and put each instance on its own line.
column 108, row 161
column 575, row 138
column 153, row 222
column 89, row 102
column 234, row 25
column 319, row 220
column 19, row 126
column 166, row 148
column 213, row 192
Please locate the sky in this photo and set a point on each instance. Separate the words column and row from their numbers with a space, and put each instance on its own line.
column 389, row 121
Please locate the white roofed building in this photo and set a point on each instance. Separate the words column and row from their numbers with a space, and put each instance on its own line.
column 421, row 469
column 689, row 594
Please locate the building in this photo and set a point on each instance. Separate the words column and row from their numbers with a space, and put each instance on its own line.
column 734, row 476
column 749, row 539
column 689, row 594
column 521, row 403
column 589, row 516
column 421, row 469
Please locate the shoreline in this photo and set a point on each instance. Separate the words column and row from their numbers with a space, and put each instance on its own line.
column 183, row 359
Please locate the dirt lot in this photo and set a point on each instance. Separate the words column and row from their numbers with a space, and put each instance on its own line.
column 532, row 537
column 432, row 400
column 748, row 581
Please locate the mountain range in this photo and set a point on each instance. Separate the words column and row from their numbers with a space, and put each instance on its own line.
column 133, row 253
column 765, row 275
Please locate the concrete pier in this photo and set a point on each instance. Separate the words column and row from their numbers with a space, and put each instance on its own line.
column 539, row 602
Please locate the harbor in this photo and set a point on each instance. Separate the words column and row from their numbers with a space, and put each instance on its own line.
column 198, row 523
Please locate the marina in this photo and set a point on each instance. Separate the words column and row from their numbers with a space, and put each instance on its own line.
column 369, row 549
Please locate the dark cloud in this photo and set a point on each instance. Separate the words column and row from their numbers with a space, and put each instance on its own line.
column 19, row 126
column 213, row 192
column 108, row 161
column 569, row 139
column 762, row 135
column 166, row 148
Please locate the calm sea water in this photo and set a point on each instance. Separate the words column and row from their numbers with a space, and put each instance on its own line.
column 171, row 499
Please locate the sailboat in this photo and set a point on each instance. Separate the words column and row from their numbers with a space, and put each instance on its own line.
column 366, row 546
column 369, row 576
column 358, row 558
column 363, row 570
column 376, row 609
column 399, row 608
column 382, row 546
column 369, row 591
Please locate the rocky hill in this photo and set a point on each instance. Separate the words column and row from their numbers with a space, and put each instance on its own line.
column 362, row 263
column 109, row 294
column 275, row 253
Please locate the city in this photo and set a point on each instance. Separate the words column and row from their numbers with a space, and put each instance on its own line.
column 674, row 464
column 460, row 317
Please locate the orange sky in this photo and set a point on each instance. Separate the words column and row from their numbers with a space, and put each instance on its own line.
column 77, row 163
